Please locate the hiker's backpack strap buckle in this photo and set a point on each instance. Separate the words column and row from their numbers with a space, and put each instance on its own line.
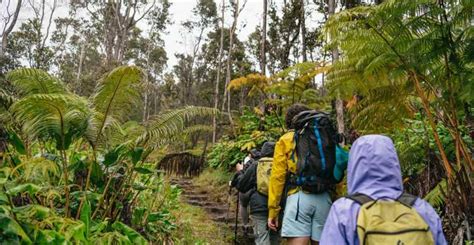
column 360, row 198
column 407, row 199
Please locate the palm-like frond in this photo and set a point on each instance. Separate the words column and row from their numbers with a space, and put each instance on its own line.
column 256, row 82
column 6, row 99
column 117, row 94
column 291, row 83
column 435, row 197
column 30, row 81
column 52, row 116
column 382, row 47
column 172, row 123
column 39, row 169
column 129, row 131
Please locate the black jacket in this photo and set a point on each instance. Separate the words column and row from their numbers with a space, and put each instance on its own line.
column 246, row 182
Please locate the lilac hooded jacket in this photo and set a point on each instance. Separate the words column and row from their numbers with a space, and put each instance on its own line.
column 373, row 170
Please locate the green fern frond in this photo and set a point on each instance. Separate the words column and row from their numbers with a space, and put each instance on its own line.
column 30, row 81
column 39, row 169
column 59, row 117
column 172, row 123
column 118, row 92
column 6, row 99
column 116, row 95
column 435, row 197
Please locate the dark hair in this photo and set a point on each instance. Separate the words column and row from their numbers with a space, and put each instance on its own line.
column 292, row 111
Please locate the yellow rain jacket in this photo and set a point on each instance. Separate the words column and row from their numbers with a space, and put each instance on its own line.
column 282, row 164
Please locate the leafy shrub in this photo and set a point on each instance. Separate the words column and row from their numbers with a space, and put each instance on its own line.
column 75, row 170
column 253, row 130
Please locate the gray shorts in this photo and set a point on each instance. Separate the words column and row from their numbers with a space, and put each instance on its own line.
column 305, row 215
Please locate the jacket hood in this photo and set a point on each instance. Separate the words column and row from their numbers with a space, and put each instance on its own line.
column 255, row 153
column 374, row 168
column 267, row 149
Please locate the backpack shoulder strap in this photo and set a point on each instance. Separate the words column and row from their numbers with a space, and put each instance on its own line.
column 360, row 198
column 407, row 199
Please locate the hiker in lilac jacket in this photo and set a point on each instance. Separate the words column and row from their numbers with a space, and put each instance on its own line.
column 373, row 170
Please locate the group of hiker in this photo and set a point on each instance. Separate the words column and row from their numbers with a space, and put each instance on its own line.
column 289, row 186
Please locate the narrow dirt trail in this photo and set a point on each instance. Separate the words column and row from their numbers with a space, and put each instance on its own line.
column 218, row 211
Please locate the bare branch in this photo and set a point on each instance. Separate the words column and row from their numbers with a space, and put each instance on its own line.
column 130, row 19
column 92, row 14
column 146, row 12
column 49, row 23
column 42, row 12
column 15, row 17
column 116, row 8
column 7, row 30
column 32, row 4
column 243, row 6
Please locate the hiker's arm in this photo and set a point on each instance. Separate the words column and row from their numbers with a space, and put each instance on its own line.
column 439, row 235
column 277, row 179
column 245, row 179
column 432, row 219
column 333, row 232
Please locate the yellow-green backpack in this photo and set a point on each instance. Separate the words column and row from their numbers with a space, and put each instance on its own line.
column 264, row 169
column 390, row 221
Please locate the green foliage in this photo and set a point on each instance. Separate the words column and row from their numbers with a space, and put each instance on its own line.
column 253, row 130
column 28, row 81
column 57, row 117
column 386, row 48
column 435, row 197
column 291, row 85
column 76, row 173
column 414, row 143
column 294, row 85
column 168, row 125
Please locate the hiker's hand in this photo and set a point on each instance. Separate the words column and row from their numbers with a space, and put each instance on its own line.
column 239, row 167
column 273, row 224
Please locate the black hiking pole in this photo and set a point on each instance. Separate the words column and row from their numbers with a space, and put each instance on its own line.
column 236, row 219
column 229, row 198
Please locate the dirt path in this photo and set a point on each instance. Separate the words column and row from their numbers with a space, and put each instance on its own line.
column 218, row 210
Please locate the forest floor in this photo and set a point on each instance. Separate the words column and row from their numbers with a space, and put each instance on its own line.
column 210, row 210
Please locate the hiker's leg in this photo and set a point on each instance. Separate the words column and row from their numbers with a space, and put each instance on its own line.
column 323, row 205
column 297, row 241
column 262, row 234
column 314, row 243
column 297, row 219
column 244, row 214
column 275, row 238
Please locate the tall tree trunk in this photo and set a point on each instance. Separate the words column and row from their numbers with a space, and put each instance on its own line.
column 263, row 58
column 9, row 28
column 335, row 57
column 79, row 69
column 303, row 31
column 145, row 106
column 237, row 11
column 216, row 90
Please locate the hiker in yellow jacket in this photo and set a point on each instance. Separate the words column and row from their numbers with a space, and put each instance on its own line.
column 309, row 225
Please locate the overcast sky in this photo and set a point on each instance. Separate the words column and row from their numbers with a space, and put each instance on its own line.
column 176, row 41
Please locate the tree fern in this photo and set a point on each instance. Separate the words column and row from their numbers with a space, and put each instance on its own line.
column 291, row 83
column 383, row 45
column 59, row 117
column 116, row 95
column 35, row 81
column 6, row 99
column 171, row 123
column 435, row 197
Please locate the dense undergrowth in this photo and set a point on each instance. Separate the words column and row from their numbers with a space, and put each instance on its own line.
column 80, row 170
column 76, row 170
